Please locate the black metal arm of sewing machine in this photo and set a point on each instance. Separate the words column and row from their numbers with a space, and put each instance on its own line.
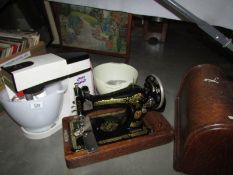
column 139, row 99
column 110, row 128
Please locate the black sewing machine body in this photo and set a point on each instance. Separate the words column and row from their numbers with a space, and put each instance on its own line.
column 89, row 132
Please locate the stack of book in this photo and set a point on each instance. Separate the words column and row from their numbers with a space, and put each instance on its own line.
column 16, row 46
column 12, row 42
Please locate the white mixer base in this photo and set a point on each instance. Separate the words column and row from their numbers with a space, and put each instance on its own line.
column 40, row 135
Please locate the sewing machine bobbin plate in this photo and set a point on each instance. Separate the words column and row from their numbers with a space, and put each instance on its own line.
column 163, row 133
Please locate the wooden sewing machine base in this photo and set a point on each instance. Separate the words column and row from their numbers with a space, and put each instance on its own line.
column 163, row 133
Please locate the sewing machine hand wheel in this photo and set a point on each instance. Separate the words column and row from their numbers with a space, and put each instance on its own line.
column 154, row 91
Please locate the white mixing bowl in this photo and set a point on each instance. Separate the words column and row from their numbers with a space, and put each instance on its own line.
column 109, row 77
column 37, row 115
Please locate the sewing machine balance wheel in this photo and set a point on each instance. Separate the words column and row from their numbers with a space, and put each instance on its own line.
column 155, row 91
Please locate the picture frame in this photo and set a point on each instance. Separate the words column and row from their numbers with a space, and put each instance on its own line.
column 93, row 30
column 1, row 88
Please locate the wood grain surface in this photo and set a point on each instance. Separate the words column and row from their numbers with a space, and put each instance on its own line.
column 162, row 134
column 204, row 126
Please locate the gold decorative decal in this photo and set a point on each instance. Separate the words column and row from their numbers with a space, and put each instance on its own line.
column 137, row 115
column 136, row 124
column 133, row 100
column 137, row 133
column 73, row 138
column 109, row 126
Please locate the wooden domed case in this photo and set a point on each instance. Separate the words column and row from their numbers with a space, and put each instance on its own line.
column 204, row 122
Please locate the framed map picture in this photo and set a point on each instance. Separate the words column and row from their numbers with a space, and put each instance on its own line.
column 93, row 30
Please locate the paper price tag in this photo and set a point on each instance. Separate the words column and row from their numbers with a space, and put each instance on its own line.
column 36, row 105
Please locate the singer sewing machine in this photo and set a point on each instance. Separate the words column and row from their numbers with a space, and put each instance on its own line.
column 89, row 133
column 111, row 119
